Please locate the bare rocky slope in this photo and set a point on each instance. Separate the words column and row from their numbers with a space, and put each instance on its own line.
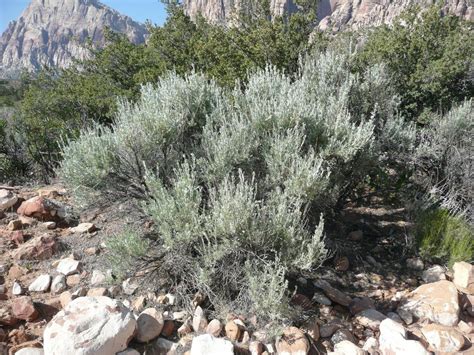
column 333, row 14
column 54, row 32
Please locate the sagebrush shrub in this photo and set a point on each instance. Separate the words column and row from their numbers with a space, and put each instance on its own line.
column 445, row 161
column 238, row 181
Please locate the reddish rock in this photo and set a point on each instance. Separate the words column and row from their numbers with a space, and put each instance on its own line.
column 23, row 308
column 16, row 271
column 39, row 248
column 41, row 208
column 17, row 237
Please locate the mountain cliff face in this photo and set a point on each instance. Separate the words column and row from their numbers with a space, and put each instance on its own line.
column 333, row 14
column 53, row 33
column 355, row 14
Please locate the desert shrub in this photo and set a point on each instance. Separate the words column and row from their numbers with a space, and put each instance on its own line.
column 444, row 236
column 445, row 160
column 124, row 250
column 238, row 181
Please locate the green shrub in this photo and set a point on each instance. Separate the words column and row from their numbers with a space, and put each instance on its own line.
column 445, row 160
column 124, row 250
column 238, row 181
column 429, row 54
column 442, row 235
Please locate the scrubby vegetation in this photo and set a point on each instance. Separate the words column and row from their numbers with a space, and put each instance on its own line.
column 242, row 143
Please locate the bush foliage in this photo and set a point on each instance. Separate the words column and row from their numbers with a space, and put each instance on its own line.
column 240, row 177
column 444, row 236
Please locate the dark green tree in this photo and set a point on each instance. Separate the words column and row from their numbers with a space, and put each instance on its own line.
column 430, row 56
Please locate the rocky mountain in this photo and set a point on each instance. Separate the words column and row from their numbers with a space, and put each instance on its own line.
column 333, row 14
column 53, row 33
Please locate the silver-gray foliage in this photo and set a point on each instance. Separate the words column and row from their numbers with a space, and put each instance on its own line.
column 445, row 161
column 238, row 182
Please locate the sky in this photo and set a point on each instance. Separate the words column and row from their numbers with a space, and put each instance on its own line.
column 139, row 10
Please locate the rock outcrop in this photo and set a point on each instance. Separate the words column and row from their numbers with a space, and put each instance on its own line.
column 54, row 32
column 332, row 14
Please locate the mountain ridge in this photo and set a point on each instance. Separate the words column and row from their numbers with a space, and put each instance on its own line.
column 53, row 33
column 333, row 15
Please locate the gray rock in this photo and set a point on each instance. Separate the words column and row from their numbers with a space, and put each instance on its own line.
column 59, row 284
column 393, row 340
column 41, row 284
column 433, row 274
column 98, row 277
column 334, row 294
column 69, row 266
column 321, row 299
column 129, row 286
column 53, row 32
column 415, row 264
column 7, row 197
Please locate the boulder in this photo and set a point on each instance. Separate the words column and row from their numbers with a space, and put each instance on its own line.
column 464, row 277
column 334, row 294
column 433, row 274
column 437, row 302
column 39, row 248
column 69, row 266
column 24, row 309
column 370, row 318
column 42, row 209
column 292, row 342
column 443, row 338
column 90, row 326
column 149, row 325
column 208, row 345
column 41, row 284
column 393, row 340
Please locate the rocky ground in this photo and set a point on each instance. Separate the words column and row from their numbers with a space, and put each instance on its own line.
column 57, row 295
